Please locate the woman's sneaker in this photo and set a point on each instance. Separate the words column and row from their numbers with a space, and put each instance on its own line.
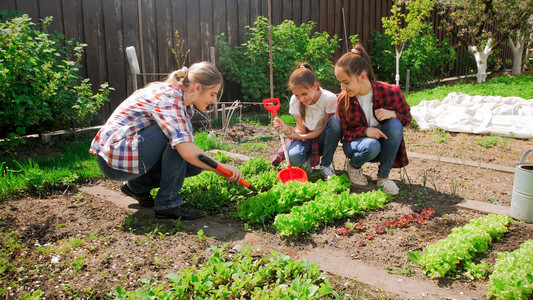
column 184, row 212
column 356, row 175
column 389, row 186
column 144, row 199
column 327, row 171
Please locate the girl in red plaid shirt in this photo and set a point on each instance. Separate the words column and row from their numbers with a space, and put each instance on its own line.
column 148, row 140
column 372, row 116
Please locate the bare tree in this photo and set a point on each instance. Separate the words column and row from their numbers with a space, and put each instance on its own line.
column 470, row 21
column 515, row 19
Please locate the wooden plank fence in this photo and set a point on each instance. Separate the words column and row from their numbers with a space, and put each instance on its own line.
column 109, row 26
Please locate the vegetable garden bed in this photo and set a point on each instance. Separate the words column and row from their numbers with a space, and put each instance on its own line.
column 80, row 244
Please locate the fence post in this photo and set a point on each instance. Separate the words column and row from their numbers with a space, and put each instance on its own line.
column 213, row 61
column 224, row 115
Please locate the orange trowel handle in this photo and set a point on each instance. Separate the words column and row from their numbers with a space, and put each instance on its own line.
column 213, row 164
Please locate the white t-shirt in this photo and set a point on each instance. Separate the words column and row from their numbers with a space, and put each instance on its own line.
column 315, row 114
column 366, row 104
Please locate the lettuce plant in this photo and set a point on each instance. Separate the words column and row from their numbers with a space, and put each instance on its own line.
column 512, row 277
column 461, row 245
column 328, row 207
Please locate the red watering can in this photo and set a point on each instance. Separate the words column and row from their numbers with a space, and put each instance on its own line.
column 289, row 173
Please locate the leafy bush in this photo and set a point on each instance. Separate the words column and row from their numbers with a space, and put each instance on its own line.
column 248, row 65
column 424, row 56
column 40, row 88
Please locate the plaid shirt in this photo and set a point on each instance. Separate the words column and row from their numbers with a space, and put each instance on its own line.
column 354, row 123
column 118, row 140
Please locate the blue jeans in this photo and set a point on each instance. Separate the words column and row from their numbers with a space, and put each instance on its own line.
column 160, row 166
column 369, row 149
column 328, row 140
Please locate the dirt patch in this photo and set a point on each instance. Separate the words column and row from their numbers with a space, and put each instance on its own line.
column 107, row 239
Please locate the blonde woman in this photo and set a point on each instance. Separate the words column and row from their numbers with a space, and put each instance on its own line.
column 148, row 140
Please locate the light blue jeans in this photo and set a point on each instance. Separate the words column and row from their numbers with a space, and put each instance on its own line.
column 328, row 140
column 161, row 166
column 369, row 149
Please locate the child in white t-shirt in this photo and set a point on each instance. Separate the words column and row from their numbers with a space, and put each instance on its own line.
column 318, row 130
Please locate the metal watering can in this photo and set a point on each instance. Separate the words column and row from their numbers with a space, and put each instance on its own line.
column 522, row 198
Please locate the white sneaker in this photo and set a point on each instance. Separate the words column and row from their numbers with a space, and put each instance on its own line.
column 327, row 171
column 389, row 186
column 356, row 175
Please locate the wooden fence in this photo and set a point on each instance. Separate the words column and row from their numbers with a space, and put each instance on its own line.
column 109, row 26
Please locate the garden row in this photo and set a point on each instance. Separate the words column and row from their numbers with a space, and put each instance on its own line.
column 512, row 275
column 297, row 208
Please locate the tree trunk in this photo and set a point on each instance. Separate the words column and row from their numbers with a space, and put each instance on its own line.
column 481, row 60
column 517, row 48
column 398, row 55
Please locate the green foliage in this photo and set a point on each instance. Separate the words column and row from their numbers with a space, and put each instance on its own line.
column 42, row 173
column 424, row 56
column 505, row 86
column 262, row 208
column 239, row 276
column 211, row 192
column 402, row 26
column 207, row 141
column 490, row 141
column 248, row 65
column 512, row 277
column 461, row 245
column 40, row 88
column 326, row 208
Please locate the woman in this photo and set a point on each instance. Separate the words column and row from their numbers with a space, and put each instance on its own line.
column 317, row 129
column 372, row 116
column 148, row 140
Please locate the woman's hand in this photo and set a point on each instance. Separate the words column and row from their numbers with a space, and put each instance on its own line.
column 385, row 114
column 374, row 132
column 235, row 173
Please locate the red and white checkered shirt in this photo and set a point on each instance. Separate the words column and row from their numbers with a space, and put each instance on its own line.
column 354, row 123
column 118, row 140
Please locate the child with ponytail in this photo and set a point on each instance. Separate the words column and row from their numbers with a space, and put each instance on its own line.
column 148, row 140
column 372, row 116
column 317, row 129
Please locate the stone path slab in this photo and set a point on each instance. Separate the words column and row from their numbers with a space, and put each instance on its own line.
column 458, row 161
column 340, row 263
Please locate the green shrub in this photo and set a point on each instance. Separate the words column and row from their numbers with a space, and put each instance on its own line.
column 424, row 56
column 40, row 88
column 248, row 65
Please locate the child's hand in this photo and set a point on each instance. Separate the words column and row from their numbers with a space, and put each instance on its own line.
column 279, row 124
column 385, row 114
column 236, row 173
column 374, row 132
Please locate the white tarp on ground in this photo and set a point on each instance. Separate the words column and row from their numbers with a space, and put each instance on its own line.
column 458, row 112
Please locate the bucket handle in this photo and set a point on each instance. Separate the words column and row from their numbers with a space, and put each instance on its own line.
column 524, row 155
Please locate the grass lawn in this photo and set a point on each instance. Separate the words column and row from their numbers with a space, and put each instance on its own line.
column 505, row 86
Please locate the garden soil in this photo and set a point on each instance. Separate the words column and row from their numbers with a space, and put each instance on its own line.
column 123, row 242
